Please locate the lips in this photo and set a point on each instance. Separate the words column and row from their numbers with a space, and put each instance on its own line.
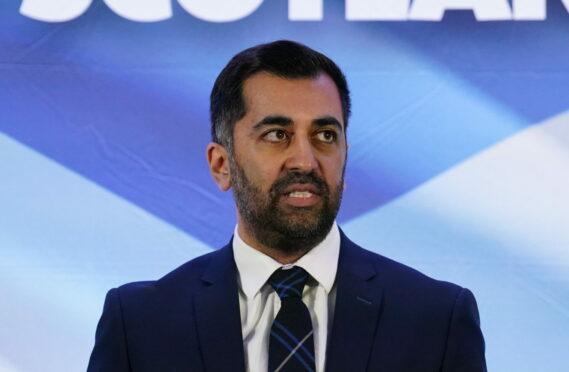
column 301, row 190
column 300, row 194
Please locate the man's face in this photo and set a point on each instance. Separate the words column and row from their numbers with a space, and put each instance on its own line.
column 289, row 157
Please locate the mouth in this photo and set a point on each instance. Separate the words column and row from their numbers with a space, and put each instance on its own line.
column 301, row 190
column 301, row 195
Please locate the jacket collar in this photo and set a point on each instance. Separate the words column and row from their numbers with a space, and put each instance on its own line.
column 356, row 314
column 357, row 311
column 218, row 319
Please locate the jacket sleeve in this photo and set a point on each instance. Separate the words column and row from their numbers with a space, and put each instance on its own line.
column 110, row 351
column 465, row 343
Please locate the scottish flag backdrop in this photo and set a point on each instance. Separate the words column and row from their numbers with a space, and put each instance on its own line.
column 458, row 165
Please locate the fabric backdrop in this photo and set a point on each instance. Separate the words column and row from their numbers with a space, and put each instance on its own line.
column 458, row 165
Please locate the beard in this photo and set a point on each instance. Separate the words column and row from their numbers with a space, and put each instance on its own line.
column 286, row 228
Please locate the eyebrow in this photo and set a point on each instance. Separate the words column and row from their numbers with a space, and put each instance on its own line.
column 286, row 122
column 328, row 120
column 273, row 120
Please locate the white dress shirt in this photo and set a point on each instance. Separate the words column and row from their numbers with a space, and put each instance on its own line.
column 259, row 304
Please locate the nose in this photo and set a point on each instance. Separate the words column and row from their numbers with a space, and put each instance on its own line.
column 301, row 156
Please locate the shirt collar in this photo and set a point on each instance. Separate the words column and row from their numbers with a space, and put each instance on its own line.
column 255, row 268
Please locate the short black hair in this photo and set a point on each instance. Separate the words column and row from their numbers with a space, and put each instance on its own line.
column 282, row 58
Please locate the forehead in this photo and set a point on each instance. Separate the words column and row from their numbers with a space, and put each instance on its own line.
column 300, row 99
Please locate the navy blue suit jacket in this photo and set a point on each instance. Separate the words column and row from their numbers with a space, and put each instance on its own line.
column 388, row 317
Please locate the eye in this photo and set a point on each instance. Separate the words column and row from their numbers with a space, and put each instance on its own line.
column 275, row 135
column 328, row 136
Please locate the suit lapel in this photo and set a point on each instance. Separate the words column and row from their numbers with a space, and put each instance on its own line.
column 217, row 315
column 357, row 310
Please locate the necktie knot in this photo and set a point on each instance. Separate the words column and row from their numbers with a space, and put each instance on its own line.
column 289, row 282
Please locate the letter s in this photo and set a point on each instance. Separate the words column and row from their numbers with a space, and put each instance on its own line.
column 54, row 10
column 220, row 10
column 142, row 10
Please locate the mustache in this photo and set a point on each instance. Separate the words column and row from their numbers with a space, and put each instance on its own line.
column 299, row 178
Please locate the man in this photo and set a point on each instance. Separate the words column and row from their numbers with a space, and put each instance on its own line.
column 290, row 292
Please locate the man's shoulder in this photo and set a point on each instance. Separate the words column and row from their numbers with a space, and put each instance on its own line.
column 187, row 278
column 396, row 276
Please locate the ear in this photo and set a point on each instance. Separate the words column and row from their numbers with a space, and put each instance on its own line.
column 344, row 187
column 218, row 161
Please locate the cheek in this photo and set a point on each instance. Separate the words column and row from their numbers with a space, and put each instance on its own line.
column 335, row 169
column 260, row 175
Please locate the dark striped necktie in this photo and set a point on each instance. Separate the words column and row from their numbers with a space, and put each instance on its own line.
column 291, row 345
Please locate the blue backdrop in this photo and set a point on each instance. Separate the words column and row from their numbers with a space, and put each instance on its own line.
column 458, row 165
